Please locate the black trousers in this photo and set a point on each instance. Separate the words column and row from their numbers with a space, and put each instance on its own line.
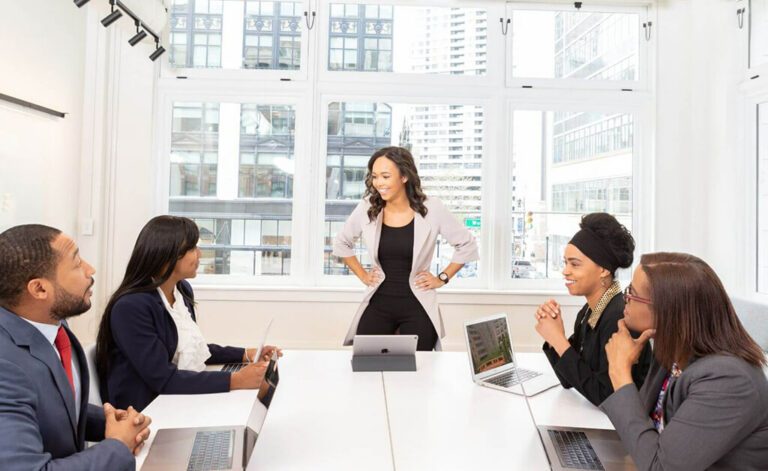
column 387, row 315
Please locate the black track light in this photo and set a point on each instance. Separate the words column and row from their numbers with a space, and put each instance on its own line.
column 140, row 34
column 112, row 17
column 80, row 3
column 159, row 50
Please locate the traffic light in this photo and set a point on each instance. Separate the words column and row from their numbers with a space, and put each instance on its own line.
column 529, row 219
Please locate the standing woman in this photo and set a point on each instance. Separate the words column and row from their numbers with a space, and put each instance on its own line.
column 149, row 342
column 704, row 404
column 592, row 257
column 400, row 226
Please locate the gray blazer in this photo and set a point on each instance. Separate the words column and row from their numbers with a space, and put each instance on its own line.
column 438, row 222
column 715, row 417
column 37, row 408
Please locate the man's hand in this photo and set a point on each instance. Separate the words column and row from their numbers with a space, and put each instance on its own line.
column 127, row 426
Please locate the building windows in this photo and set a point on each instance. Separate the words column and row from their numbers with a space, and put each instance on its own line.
column 557, row 179
column 362, row 38
column 247, row 34
column 272, row 35
column 246, row 220
column 194, row 149
column 195, row 34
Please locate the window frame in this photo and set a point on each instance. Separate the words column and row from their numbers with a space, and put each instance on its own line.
column 311, row 98
column 644, row 58
column 167, row 71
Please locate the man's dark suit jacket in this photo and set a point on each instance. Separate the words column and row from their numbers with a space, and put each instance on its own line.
column 38, row 426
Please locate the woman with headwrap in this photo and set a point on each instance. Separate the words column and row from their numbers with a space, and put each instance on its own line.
column 591, row 259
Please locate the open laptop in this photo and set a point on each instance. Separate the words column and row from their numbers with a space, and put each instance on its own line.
column 224, row 448
column 491, row 360
column 384, row 352
column 569, row 448
column 232, row 367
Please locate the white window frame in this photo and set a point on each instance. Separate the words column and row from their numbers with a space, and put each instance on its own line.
column 644, row 13
column 756, row 93
column 643, row 165
column 311, row 96
column 243, row 94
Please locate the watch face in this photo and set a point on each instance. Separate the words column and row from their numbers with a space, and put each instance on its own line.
column 443, row 277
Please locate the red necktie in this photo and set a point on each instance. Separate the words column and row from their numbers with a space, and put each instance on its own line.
column 65, row 351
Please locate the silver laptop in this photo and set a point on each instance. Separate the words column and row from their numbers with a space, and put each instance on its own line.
column 232, row 367
column 389, row 345
column 206, row 448
column 492, row 362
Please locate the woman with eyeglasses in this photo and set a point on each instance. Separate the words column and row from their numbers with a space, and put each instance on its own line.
column 591, row 259
column 704, row 404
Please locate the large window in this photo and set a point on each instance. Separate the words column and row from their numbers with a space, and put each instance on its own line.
column 446, row 142
column 246, row 220
column 575, row 45
column 519, row 130
column 565, row 165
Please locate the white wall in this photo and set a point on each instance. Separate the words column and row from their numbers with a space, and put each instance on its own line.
column 43, row 57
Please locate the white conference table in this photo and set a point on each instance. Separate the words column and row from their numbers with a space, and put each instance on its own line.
column 324, row 416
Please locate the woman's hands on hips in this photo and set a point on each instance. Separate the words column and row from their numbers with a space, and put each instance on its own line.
column 371, row 277
column 426, row 280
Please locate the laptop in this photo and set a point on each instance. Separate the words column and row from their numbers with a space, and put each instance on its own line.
column 492, row 362
column 224, row 448
column 384, row 352
column 232, row 367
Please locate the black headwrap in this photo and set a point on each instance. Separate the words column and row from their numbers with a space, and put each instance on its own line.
column 596, row 249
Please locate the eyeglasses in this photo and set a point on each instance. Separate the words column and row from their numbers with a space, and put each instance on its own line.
column 628, row 296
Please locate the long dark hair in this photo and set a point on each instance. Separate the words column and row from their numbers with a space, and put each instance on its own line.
column 161, row 243
column 694, row 315
column 407, row 167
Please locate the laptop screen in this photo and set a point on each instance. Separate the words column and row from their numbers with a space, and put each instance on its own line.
column 489, row 344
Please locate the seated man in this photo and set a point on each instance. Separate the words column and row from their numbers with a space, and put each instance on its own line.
column 45, row 417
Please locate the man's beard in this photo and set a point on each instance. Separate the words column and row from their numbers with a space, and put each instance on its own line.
column 68, row 305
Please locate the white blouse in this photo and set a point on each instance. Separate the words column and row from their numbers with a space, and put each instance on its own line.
column 192, row 350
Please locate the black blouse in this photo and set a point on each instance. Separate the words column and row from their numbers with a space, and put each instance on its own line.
column 584, row 366
column 396, row 259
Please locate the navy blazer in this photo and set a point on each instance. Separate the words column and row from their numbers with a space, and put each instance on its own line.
column 140, row 363
column 37, row 407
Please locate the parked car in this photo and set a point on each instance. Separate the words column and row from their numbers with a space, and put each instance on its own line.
column 523, row 269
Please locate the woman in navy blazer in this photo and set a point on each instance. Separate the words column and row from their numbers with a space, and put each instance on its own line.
column 136, row 347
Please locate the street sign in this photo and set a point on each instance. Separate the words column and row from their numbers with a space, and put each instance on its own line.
column 472, row 222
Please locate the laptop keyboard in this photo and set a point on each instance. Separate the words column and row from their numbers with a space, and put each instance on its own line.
column 232, row 367
column 513, row 377
column 574, row 450
column 212, row 451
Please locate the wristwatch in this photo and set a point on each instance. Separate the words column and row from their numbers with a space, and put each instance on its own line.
column 443, row 276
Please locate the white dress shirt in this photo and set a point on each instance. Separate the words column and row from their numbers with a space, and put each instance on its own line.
column 50, row 331
column 192, row 350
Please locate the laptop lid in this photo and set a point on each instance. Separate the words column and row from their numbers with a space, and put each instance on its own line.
column 489, row 346
column 263, row 340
